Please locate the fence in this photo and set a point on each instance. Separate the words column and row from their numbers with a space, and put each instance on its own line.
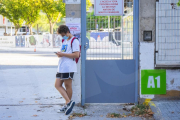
column 167, row 32
column 111, row 37
column 41, row 41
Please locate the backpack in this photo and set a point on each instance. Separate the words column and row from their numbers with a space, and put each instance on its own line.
column 76, row 59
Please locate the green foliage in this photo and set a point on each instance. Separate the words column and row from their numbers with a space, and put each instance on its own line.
column 18, row 11
column 54, row 9
column 141, row 109
column 88, row 4
column 12, row 10
column 30, row 11
column 178, row 4
column 102, row 21
column 43, row 23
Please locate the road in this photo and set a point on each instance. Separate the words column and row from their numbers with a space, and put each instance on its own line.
column 27, row 86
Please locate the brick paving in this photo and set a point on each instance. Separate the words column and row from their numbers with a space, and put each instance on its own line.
column 166, row 109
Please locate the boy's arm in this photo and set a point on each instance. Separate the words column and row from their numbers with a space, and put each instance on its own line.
column 75, row 49
column 69, row 55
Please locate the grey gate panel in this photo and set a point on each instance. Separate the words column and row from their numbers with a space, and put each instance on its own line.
column 110, row 81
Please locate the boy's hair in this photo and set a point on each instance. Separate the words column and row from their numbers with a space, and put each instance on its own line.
column 63, row 29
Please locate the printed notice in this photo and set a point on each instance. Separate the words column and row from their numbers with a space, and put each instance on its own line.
column 109, row 7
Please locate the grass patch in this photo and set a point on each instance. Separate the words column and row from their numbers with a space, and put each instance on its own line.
column 138, row 110
column 142, row 111
column 115, row 115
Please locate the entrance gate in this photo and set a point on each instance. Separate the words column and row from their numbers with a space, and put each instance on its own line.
column 110, row 55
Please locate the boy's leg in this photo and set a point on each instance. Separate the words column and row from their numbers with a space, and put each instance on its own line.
column 60, row 88
column 68, row 85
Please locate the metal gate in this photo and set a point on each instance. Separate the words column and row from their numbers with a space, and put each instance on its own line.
column 110, row 55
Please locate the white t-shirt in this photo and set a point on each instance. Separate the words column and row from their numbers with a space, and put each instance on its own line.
column 66, row 64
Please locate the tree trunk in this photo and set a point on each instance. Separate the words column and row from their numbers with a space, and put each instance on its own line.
column 37, row 29
column 51, row 28
column 26, row 29
column 5, row 29
column 30, row 29
column 16, row 30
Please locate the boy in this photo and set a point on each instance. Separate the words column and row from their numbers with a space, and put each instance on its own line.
column 66, row 67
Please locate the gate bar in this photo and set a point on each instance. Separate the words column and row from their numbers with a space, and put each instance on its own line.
column 83, row 51
column 136, row 45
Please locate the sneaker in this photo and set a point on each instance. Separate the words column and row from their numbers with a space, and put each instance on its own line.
column 70, row 106
column 63, row 109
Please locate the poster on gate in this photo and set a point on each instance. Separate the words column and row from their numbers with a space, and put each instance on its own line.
column 75, row 30
column 109, row 7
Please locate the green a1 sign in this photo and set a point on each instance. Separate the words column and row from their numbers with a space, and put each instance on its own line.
column 153, row 81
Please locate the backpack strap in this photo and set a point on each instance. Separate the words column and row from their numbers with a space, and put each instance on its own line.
column 62, row 40
column 71, row 44
column 73, row 40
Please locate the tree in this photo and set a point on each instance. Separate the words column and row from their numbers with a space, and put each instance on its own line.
column 54, row 10
column 11, row 9
column 43, row 23
column 30, row 11
column 178, row 4
column 88, row 4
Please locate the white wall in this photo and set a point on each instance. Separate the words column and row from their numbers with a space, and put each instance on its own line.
column 77, row 76
column 147, row 62
column 173, row 79
column 7, row 41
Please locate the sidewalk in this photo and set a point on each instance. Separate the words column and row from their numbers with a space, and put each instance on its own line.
column 166, row 109
column 48, row 112
column 29, row 49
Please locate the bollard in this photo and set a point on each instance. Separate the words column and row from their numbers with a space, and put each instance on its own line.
column 35, row 49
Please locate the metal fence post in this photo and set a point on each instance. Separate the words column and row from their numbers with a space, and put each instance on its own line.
column 83, row 51
column 136, row 45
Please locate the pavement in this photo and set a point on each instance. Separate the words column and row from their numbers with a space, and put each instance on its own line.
column 27, row 89
column 166, row 109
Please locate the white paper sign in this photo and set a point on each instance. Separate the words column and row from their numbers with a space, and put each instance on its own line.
column 109, row 7
column 72, row 1
column 74, row 28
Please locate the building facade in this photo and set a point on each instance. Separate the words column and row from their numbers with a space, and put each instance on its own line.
column 161, row 17
column 5, row 27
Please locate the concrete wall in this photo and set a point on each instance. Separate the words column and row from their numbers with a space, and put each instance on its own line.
column 73, row 16
column 147, row 16
column 147, row 21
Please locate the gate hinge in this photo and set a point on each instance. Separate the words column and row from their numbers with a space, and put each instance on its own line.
column 156, row 51
column 157, row 0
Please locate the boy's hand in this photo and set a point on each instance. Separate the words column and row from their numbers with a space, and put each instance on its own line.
column 59, row 54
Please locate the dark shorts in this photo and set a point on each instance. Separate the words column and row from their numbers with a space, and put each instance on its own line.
column 64, row 76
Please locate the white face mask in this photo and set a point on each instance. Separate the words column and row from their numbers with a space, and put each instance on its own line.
column 65, row 37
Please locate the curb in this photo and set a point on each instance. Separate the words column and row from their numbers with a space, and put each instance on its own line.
column 157, row 113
